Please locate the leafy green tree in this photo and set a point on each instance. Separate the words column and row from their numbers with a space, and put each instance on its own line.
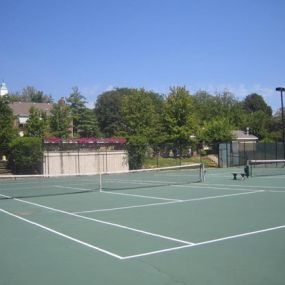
column 179, row 121
column 259, row 124
column 88, row 124
column 216, row 131
column 276, row 126
column 139, row 115
column 108, row 110
column 254, row 103
column 227, row 106
column 61, row 120
column 37, row 124
column 141, row 123
column 76, row 102
column 223, row 105
column 7, row 132
column 204, row 105
column 258, row 117
column 26, row 155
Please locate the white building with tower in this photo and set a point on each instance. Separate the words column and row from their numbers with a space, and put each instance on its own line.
column 3, row 89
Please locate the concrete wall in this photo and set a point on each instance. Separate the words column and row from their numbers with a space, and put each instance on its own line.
column 83, row 162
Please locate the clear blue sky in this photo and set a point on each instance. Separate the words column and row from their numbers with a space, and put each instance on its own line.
column 97, row 45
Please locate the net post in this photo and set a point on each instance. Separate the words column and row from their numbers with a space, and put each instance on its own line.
column 100, row 172
column 246, row 170
column 100, row 182
column 249, row 166
column 202, row 172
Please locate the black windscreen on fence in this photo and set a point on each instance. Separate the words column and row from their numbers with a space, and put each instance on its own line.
column 237, row 153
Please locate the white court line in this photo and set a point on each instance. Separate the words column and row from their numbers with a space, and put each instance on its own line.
column 247, row 186
column 239, row 189
column 104, row 222
column 209, row 186
column 206, row 242
column 145, row 182
column 171, row 202
column 140, row 196
column 187, row 244
column 126, row 207
column 226, row 187
column 278, row 176
column 74, row 188
column 62, row 235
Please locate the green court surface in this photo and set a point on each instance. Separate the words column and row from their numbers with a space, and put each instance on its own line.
column 221, row 231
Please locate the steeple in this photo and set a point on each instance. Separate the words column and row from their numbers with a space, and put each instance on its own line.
column 3, row 89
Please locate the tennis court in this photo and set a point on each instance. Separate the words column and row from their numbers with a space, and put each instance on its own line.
column 220, row 231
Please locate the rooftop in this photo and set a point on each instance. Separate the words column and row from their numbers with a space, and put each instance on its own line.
column 244, row 136
column 23, row 108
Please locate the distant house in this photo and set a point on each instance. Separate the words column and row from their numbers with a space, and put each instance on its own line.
column 21, row 111
column 244, row 137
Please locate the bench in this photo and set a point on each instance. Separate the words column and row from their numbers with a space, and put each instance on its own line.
column 235, row 174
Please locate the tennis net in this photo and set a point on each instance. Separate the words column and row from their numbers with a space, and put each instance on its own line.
column 266, row 167
column 28, row 186
column 154, row 177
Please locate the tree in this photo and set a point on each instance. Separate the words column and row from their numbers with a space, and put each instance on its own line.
column 204, row 105
column 276, row 125
column 76, row 103
column 258, row 117
column 108, row 110
column 30, row 94
column 37, row 124
column 139, row 115
column 254, row 103
column 61, row 120
column 140, row 123
column 26, row 155
column 227, row 106
column 259, row 124
column 84, row 120
column 76, row 100
column 7, row 132
column 222, row 105
column 216, row 131
column 179, row 121
column 88, row 125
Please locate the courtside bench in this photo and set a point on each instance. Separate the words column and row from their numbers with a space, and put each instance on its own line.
column 235, row 174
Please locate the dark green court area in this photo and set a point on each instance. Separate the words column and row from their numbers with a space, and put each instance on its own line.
column 220, row 231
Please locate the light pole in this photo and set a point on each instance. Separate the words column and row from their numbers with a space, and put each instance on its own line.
column 281, row 89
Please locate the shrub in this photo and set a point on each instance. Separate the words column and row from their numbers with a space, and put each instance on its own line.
column 26, row 155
